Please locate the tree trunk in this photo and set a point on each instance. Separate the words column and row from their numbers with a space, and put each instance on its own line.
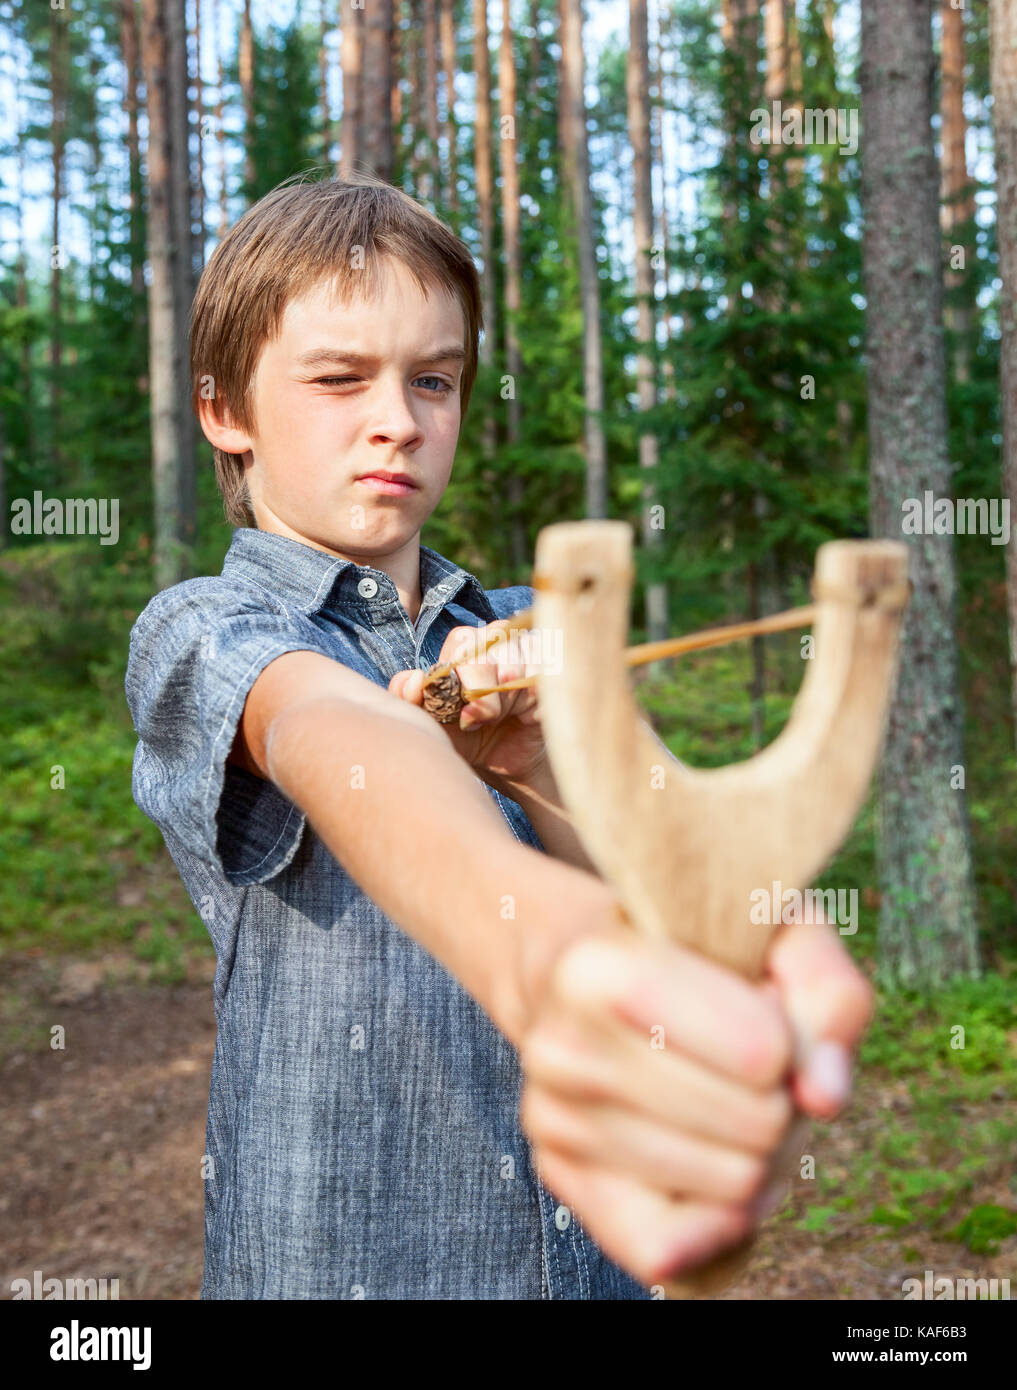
column 1003, row 74
column 21, row 282
column 327, row 127
column 958, row 205
column 829, row 18
column 59, row 77
column 129, row 46
column 927, row 927
column 376, row 88
column 448, row 63
column 589, row 285
column 220, row 128
column 246, row 67
column 637, row 93
column 400, row 68
column 199, row 121
column 513, row 276
column 565, row 116
column 431, row 97
column 169, row 258
column 663, row 228
column 352, row 114
column 484, row 180
column 185, row 265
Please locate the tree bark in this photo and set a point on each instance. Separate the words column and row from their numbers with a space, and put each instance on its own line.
column 448, row 63
column 376, row 89
column 220, row 128
column 484, row 181
column 927, row 926
column 578, row 163
column 59, row 58
column 182, row 204
column 415, row 72
column 352, row 125
column 1003, row 76
column 21, row 278
column 199, row 121
column 663, row 225
column 431, row 97
column 958, row 204
column 400, row 68
column 565, row 101
column 246, row 66
column 169, row 257
column 637, row 84
column 327, row 126
column 519, row 547
column 129, row 48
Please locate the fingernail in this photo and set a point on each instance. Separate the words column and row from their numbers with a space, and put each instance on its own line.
column 829, row 1069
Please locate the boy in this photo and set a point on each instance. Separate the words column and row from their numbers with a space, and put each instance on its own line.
column 386, row 1030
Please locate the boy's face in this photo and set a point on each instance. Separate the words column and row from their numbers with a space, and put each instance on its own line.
column 347, row 391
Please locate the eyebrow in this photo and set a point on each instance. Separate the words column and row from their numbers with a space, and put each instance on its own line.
column 326, row 356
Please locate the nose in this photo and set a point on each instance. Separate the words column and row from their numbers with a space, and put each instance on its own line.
column 392, row 418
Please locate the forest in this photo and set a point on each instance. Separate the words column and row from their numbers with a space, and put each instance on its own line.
column 749, row 270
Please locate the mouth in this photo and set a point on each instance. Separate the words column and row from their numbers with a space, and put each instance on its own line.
column 391, row 484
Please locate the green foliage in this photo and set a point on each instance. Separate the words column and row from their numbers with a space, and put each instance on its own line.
column 985, row 1226
column 286, row 135
column 84, row 870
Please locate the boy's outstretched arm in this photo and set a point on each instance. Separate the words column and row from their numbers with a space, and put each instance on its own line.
column 421, row 836
column 664, row 1153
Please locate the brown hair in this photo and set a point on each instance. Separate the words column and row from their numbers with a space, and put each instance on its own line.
column 300, row 234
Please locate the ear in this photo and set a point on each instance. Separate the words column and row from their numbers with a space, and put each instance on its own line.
column 218, row 427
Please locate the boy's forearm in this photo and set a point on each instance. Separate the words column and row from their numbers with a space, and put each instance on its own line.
column 420, row 835
column 541, row 801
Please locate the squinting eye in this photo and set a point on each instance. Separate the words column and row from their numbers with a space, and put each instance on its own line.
column 442, row 386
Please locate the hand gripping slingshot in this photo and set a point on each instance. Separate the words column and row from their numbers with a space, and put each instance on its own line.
column 684, row 848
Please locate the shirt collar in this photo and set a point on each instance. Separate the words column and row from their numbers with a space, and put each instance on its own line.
column 312, row 580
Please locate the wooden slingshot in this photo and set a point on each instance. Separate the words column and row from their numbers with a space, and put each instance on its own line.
column 686, row 848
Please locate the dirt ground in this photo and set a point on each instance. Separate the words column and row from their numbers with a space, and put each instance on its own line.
column 103, row 1143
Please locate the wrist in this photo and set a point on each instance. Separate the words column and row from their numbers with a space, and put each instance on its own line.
column 562, row 903
column 538, row 786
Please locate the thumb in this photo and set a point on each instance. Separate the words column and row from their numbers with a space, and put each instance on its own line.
column 829, row 1003
column 408, row 685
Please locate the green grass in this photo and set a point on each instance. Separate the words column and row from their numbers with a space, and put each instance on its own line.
column 957, row 1126
column 83, row 871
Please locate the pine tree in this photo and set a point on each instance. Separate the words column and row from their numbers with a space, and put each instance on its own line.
column 927, row 927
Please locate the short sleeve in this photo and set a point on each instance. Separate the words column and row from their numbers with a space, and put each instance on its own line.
column 511, row 600
column 195, row 652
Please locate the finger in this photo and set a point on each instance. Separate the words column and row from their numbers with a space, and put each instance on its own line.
column 667, row 1160
column 830, row 1004
column 489, row 709
column 579, row 1062
column 681, row 1000
column 408, row 685
column 470, row 644
column 652, row 1236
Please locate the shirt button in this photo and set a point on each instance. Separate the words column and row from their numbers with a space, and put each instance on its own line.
column 562, row 1218
column 368, row 587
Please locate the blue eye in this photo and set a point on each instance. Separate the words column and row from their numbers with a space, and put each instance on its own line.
column 441, row 386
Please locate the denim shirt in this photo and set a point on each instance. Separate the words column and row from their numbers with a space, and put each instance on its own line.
column 363, row 1137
